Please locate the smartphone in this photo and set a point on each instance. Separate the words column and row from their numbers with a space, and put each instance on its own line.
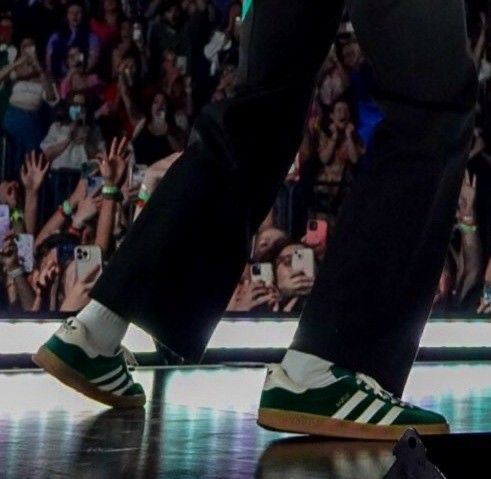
column 88, row 168
column 137, row 32
column 262, row 272
column 303, row 260
column 138, row 175
column 4, row 223
column 316, row 232
column 182, row 63
column 25, row 251
column 86, row 259
column 486, row 293
column 64, row 253
column 94, row 185
column 80, row 59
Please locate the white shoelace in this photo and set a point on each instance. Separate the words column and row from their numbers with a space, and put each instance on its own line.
column 129, row 357
column 374, row 386
column 68, row 325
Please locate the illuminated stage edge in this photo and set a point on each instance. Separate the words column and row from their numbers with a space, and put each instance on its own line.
column 23, row 336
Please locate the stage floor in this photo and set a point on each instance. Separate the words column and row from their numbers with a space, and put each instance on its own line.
column 200, row 423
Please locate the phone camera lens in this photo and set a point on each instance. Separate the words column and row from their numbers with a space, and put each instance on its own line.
column 256, row 269
column 313, row 225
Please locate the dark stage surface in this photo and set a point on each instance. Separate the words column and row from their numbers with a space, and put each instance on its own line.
column 200, row 423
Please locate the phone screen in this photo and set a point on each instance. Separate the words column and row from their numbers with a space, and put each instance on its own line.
column 262, row 272
column 303, row 260
column 181, row 63
column 64, row 252
column 137, row 32
column 94, row 185
column 25, row 248
column 4, row 223
column 86, row 259
column 88, row 168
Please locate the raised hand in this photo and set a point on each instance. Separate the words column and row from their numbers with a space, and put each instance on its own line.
column 467, row 198
column 155, row 173
column 42, row 281
column 188, row 85
column 78, row 296
column 79, row 193
column 297, row 284
column 254, row 294
column 33, row 171
column 22, row 60
column 9, row 193
column 484, row 307
column 87, row 209
column 350, row 129
column 130, row 193
column 334, row 130
column 113, row 165
column 9, row 254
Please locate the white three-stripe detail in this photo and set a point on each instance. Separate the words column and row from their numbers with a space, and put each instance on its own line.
column 120, row 391
column 371, row 410
column 107, row 376
column 114, row 384
column 356, row 399
column 391, row 416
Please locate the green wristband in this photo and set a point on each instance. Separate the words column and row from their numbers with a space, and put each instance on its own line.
column 17, row 216
column 110, row 190
column 467, row 228
column 144, row 196
column 111, row 193
column 67, row 208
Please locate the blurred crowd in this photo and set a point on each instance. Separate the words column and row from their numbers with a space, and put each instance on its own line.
column 97, row 100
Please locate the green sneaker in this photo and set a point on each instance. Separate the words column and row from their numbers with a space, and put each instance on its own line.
column 353, row 405
column 68, row 357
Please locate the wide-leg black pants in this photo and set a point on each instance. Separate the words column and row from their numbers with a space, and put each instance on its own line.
column 176, row 271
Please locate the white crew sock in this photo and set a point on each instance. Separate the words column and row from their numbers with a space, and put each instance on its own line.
column 105, row 329
column 307, row 370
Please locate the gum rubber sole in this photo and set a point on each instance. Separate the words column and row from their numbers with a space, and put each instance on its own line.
column 53, row 365
column 302, row 423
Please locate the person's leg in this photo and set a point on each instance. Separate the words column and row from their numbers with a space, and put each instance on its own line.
column 176, row 270
column 365, row 316
column 180, row 262
column 375, row 288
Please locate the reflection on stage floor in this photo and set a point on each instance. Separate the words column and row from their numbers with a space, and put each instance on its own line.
column 200, row 423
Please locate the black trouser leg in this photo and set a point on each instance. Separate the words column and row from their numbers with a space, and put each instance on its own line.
column 375, row 288
column 177, row 268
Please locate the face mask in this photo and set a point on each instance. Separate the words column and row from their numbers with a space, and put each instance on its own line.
column 160, row 117
column 74, row 112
